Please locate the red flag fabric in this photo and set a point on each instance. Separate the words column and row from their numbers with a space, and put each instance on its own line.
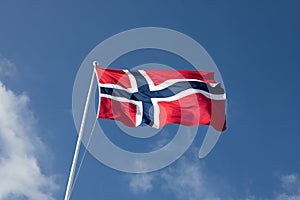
column 160, row 97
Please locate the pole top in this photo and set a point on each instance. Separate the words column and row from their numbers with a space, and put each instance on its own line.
column 96, row 63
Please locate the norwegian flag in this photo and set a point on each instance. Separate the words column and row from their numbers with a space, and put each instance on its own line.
column 160, row 97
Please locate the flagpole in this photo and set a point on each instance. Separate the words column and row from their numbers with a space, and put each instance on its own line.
column 80, row 134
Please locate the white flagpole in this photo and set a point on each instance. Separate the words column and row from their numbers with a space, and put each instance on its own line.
column 80, row 134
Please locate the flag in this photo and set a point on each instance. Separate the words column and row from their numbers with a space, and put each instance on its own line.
column 160, row 97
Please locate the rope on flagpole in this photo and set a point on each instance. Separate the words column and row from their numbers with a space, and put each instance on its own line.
column 82, row 159
column 80, row 135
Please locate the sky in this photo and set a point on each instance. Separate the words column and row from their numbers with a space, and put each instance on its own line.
column 255, row 45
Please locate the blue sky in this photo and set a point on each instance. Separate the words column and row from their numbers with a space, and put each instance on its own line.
column 255, row 45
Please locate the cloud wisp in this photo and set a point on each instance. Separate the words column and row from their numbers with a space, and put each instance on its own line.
column 7, row 68
column 141, row 183
column 185, row 180
column 291, row 186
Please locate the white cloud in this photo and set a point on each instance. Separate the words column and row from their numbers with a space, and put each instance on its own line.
column 291, row 185
column 290, row 181
column 21, row 176
column 290, row 189
column 7, row 68
column 141, row 183
column 185, row 180
column 288, row 197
